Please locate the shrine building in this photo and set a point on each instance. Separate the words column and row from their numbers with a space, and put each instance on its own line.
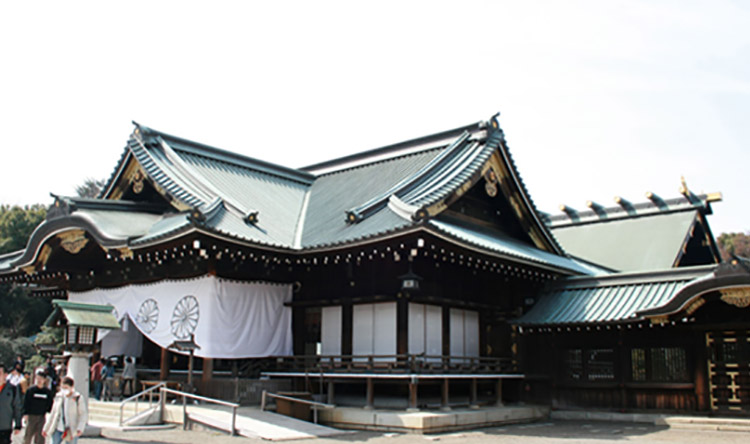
column 419, row 275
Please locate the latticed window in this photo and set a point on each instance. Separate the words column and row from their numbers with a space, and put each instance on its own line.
column 638, row 364
column 659, row 364
column 589, row 364
column 574, row 364
column 70, row 334
column 86, row 335
column 600, row 364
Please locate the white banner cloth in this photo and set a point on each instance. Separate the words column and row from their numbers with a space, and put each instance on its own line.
column 230, row 320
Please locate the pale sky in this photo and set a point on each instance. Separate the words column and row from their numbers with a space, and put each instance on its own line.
column 597, row 98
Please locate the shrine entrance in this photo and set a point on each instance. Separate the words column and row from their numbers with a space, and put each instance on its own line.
column 729, row 370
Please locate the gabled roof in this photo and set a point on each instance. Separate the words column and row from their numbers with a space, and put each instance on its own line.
column 356, row 199
column 629, row 237
column 83, row 315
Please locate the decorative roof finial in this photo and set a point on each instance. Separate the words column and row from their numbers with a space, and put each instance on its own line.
column 684, row 190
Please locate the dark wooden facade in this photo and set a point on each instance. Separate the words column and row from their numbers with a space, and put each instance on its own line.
column 697, row 363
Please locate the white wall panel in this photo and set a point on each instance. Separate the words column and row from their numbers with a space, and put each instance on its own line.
column 457, row 332
column 433, row 330
column 384, row 329
column 471, row 333
column 416, row 328
column 362, row 330
column 425, row 329
column 330, row 330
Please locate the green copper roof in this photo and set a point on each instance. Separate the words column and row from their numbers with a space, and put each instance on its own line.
column 636, row 244
column 84, row 315
column 498, row 242
column 609, row 299
column 210, row 190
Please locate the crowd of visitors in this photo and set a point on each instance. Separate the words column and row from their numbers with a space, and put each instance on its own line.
column 49, row 406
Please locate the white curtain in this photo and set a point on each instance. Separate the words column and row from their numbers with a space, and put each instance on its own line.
column 230, row 320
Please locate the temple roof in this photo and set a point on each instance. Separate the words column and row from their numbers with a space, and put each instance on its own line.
column 622, row 297
column 643, row 236
column 361, row 198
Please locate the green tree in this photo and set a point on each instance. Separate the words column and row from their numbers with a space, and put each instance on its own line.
column 6, row 352
column 17, row 224
column 737, row 244
column 90, row 188
column 21, row 314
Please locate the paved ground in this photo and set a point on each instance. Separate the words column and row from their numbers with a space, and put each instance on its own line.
column 555, row 432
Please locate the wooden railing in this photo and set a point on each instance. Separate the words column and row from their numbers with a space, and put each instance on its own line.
column 406, row 363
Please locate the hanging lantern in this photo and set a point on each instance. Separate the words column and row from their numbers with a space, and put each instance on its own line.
column 410, row 280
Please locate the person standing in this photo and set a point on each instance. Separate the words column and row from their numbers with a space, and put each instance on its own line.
column 108, row 375
column 16, row 378
column 96, row 378
column 128, row 376
column 51, row 374
column 69, row 414
column 10, row 408
column 37, row 403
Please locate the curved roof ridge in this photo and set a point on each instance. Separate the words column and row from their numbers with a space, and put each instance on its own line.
column 409, row 183
column 397, row 150
column 230, row 157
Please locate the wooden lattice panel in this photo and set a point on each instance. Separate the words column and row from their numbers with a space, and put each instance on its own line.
column 729, row 370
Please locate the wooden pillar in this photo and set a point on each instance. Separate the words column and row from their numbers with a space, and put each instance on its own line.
column 473, row 404
column 207, row 375
column 623, row 368
column 445, row 401
column 499, row 393
column 370, row 394
column 347, row 328
column 412, row 395
column 402, row 326
column 700, row 373
column 331, row 392
column 446, row 331
column 166, row 358
column 190, row 370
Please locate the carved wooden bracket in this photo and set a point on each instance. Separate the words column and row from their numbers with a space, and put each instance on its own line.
column 73, row 241
column 739, row 297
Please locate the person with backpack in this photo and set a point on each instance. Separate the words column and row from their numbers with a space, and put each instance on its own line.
column 67, row 420
column 11, row 406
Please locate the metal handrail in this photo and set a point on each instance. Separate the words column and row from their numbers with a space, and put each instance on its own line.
column 150, row 391
column 185, row 396
column 314, row 404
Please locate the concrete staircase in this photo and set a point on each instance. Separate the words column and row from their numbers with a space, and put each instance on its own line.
column 107, row 414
